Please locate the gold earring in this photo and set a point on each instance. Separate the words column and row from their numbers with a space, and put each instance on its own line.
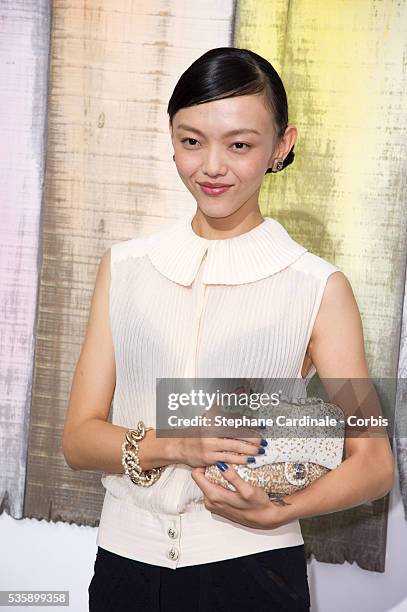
column 277, row 165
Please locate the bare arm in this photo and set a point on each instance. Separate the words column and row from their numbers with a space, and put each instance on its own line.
column 337, row 350
column 90, row 442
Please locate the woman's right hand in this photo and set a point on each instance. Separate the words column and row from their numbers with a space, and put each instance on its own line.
column 203, row 451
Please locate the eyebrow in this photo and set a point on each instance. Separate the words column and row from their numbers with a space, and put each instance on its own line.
column 182, row 126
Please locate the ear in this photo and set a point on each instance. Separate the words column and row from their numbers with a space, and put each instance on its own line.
column 285, row 144
column 171, row 133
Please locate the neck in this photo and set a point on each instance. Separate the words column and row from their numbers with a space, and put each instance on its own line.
column 212, row 228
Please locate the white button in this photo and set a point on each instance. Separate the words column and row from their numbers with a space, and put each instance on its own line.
column 172, row 532
column 173, row 554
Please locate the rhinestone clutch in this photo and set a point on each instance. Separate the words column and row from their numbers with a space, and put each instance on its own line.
column 293, row 463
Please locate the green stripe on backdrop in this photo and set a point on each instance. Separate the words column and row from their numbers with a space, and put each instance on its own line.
column 343, row 197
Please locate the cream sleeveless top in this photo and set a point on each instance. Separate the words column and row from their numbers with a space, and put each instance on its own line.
column 185, row 306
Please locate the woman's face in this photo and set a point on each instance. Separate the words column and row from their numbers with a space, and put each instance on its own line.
column 206, row 151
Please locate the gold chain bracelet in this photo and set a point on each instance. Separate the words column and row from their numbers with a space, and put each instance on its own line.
column 130, row 459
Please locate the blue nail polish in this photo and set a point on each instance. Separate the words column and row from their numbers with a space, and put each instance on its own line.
column 264, row 442
column 251, row 459
column 261, row 450
column 222, row 466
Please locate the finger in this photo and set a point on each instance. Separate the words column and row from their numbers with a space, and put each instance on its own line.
column 253, row 441
column 244, row 446
column 199, row 470
column 234, row 458
column 241, row 433
column 258, row 440
column 243, row 488
column 238, row 445
column 216, row 493
column 207, row 487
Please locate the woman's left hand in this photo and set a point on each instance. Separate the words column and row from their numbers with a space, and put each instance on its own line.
column 248, row 505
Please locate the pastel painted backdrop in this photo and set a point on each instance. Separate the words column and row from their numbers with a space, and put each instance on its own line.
column 87, row 103
column 24, row 55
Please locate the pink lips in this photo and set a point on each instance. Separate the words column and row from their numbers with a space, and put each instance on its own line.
column 214, row 190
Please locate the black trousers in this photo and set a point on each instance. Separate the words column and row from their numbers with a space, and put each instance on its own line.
column 274, row 580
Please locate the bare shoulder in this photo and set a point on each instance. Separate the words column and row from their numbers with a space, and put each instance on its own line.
column 98, row 328
column 337, row 342
column 103, row 276
column 105, row 260
column 338, row 284
column 338, row 352
column 338, row 303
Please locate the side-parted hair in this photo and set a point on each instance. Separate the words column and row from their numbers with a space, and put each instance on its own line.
column 226, row 72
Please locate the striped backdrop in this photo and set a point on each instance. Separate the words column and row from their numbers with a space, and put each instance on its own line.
column 87, row 161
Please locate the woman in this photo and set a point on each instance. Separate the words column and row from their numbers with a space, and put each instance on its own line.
column 221, row 293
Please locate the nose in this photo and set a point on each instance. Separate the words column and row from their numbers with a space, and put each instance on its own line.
column 213, row 163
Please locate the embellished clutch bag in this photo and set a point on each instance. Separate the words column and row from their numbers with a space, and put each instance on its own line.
column 292, row 463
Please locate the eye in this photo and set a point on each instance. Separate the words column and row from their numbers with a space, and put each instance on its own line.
column 247, row 146
column 242, row 143
column 185, row 139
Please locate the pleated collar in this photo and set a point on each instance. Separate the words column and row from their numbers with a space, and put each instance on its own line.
column 177, row 252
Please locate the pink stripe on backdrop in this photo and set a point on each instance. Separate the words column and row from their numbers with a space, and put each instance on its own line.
column 24, row 53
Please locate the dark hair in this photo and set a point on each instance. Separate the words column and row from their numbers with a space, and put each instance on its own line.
column 226, row 72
